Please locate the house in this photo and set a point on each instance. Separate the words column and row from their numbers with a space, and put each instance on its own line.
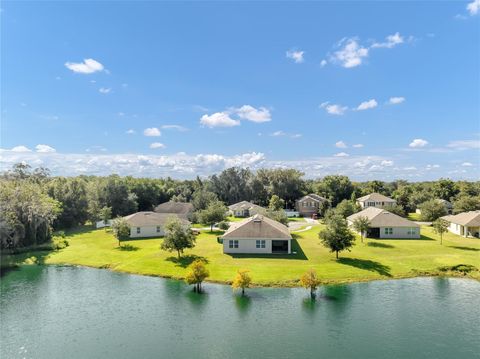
column 375, row 200
column 309, row 205
column 384, row 224
column 149, row 224
column 448, row 206
column 257, row 234
column 182, row 209
column 244, row 209
column 466, row 224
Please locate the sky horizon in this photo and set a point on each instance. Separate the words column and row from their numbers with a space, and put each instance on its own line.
column 370, row 90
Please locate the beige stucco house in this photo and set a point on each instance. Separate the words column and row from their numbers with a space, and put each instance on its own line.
column 149, row 224
column 257, row 235
column 244, row 209
column 375, row 200
column 309, row 205
column 384, row 224
column 466, row 224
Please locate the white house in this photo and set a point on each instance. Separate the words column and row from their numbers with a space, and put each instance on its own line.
column 244, row 209
column 375, row 200
column 149, row 224
column 257, row 234
column 384, row 224
column 466, row 224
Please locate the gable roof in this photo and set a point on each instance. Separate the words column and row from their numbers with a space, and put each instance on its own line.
column 471, row 218
column 175, row 207
column 312, row 196
column 258, row 226
column 376, row 197
column 379, row 217
column 243, row 205
column 141, row 219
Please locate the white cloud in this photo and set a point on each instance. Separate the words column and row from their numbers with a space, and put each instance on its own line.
column 358, row 145
column 88, row 66
column 386, row 163
column 157, row 145
column 250, row 113
column 473, row 7
column 418, row 143
column 218, row 119
column 121, row 114
column 341, row 154
column 464, row 144
column 44, row 149
column 295, row 55
column 104, row 90
column 152, row 132
column 20, row 149
column 296, row 135
column 396, row 100
column 467, row 164
column 323, row 63
column 175, row 127
column 367, row 105
column 341, row 144
column 391, row 41
column 278, row 134
column 130, row 132
column 333, row 109
column 410, row 168
column 351, row 53
column 431, row 167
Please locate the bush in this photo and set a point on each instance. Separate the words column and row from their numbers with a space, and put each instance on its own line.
column 59, row 242
column 224, row 225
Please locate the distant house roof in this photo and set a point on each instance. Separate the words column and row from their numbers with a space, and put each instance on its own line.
column 258, row 226
column 444, row 202
column 243, row 205
column 471, row 218
column 175, row 207
column 376, row 197
column 141, row 219
column 312, row 196
column 382, row 218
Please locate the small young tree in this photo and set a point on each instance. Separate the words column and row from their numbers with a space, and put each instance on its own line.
column 440, row 226
column 215, row 212
column 223, row 225
column 276, row 203
column 105, row 214
column 178, row 236
column 120, row 229
column 242, row 280
column 361, row 225
column 337, row 237
column 197, row 273
column 309, row 280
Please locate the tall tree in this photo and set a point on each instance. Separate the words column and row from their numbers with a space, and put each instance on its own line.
column 431, row 210
column 445, row 189
column 215, row 212
column 276, row 203
column 336, row 188
column 178, row 236
column 466, row 203
column 337, row 237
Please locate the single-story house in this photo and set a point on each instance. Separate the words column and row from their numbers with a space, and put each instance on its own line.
column 465, row 224
column 384, row 224
column 244, row 209
column 375, row 200
column 257, row 234
column 448, row 206
column 149, row 224
column 309, row 205
column 182, row 209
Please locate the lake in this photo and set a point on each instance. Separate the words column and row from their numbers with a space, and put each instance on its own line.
column 75, row 312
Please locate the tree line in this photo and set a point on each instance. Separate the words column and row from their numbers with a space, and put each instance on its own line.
column 34, row 204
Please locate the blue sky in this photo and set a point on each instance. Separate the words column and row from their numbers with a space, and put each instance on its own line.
column 373, row 90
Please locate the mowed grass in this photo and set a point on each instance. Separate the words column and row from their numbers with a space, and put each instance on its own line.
column 373, row 259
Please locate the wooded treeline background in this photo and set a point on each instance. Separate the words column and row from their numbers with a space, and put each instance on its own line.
column 33, row 204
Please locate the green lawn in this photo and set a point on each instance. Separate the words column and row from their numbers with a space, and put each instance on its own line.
column 414, row 216
column 296, row 219
column 234, row 219
column 374, row 259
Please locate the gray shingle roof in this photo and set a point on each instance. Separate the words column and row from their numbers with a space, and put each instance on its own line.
column 244, row 205
column 382, row 218
column 175, row 207
column 314, row 197
column 376, row 197
column 142, row 219
column 258, row 226
column 471, row 218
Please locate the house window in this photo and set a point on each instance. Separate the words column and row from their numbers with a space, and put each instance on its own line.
column 158, row 229
column 138, row 230
column 388, row 230
column 412, row 230
column 233, row 243
column 260, row 243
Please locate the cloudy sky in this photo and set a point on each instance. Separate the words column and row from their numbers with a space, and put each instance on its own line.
column 373, row 90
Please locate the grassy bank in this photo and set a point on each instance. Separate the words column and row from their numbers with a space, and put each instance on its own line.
column 374, row 259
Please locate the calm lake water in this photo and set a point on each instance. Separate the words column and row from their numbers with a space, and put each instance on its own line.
column 69, row 312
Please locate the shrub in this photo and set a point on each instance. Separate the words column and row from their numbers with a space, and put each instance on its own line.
column 223, row 225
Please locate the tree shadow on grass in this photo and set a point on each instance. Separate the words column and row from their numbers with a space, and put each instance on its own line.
column 466, row 248
column 128, row 248
column 379, row 245
column 366, row 264
column 297, row 253
column 185, row 261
